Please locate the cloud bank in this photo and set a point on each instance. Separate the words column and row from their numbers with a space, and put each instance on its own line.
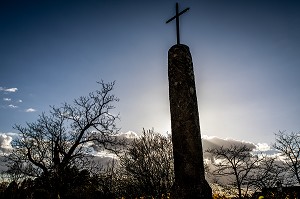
column 216, row 142
column 103, row 157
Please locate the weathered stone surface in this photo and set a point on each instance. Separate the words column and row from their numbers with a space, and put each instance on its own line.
column 187, row 146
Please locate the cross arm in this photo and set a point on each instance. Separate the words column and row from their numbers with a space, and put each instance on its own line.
column 177, row 15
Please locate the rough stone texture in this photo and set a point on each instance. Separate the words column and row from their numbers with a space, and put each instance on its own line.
column 187, row 146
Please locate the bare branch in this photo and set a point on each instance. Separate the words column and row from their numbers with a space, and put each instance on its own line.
column 57, row 141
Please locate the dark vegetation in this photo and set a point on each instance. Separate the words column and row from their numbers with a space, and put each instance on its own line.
column 51, row 159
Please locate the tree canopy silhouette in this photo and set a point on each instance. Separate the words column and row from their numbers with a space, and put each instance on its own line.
column 148, row 163
column 289, row 147
column 235, row 164
column 59, row 141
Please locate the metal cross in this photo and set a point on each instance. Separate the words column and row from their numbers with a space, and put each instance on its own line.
column 177, row 21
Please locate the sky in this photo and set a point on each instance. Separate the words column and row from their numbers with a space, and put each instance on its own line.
column 246, row 57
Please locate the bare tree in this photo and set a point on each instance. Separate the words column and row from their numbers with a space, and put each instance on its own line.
column 234, row 166
column 269, row 172
column 60, row 140
column 289, row 147
column 148, row 164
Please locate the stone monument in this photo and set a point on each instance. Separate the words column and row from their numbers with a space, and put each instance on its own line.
column 190, row 180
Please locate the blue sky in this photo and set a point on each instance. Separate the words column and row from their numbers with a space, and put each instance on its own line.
column 246, row 58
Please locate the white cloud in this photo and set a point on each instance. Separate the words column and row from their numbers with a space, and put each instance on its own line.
column 11, row 134
column 12, row 106
column 128, row 135
column 263, row 147
column 19, row 101
column 12, row 90
column 29, row 110
column 5, row 142
column 7, row 99
column 105, row 154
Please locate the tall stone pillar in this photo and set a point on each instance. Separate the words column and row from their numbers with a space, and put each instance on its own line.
column 190, row 180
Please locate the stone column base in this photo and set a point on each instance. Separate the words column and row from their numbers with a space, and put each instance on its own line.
column 202, row 191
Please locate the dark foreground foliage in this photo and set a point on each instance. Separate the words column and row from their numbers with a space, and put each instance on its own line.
column 145, row 170
column 76, row 184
